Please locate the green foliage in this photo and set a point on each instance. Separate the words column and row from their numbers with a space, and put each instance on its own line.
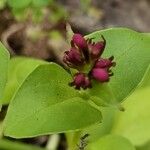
column 18, row 4
column 23, row 9
column 134, row 123
column 20, row 14
column 18, row 70
column 113, row 142
column 2, row 4
column 57, row 14
column 41, row 3
column 131, row 51
column 99, row 130
column 4, row 58
column 45, row 104
column 146, row 146
column 9, row 145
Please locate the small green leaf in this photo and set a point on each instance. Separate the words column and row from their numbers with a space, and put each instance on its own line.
column 45, row 104
column 131, row 51
column 111, row 142
column 19, row 3
column 4, row 59
column 2, row 4
column 69, row 33
column 9, row 145
column 18, row 70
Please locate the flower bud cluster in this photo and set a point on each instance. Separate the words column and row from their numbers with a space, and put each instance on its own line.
column 85, row 53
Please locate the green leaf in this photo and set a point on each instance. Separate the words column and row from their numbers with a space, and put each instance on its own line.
column 99, row 130
column 18, row 70
column 19, row 3
column 2, row 4
column 134, row 123
column 146, row 80
column 4, row 59
column 146, row 146
column 111, row 142
column 41, row 3
column 11, row 145
column 131, row 51
column 20, row 14
column 45, row 104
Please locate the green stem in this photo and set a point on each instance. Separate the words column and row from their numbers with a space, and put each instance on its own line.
column 1, row 129
column 73, row 139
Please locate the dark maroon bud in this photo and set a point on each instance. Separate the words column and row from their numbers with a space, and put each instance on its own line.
column 72, row 57
column 100, row 74
column 97, row 49
column 79, row 41
column 85, row 53
column 105, row 63
column 81, row 81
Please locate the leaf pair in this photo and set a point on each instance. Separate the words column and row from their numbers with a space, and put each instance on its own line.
column 45, row 104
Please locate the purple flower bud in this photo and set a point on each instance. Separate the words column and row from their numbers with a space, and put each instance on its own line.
column 81, row 81
column 79, row 41
column 85, row 56
column 100, row 74
column 97, row 49
column 73, row 57
column 105, row 63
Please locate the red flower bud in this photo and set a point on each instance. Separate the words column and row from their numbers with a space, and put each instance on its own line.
column 97, row 49
column 81, row 81
column 82, row 56
column 73, row 57
column 100, row 74
column 105, row 63
column 79, row 41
